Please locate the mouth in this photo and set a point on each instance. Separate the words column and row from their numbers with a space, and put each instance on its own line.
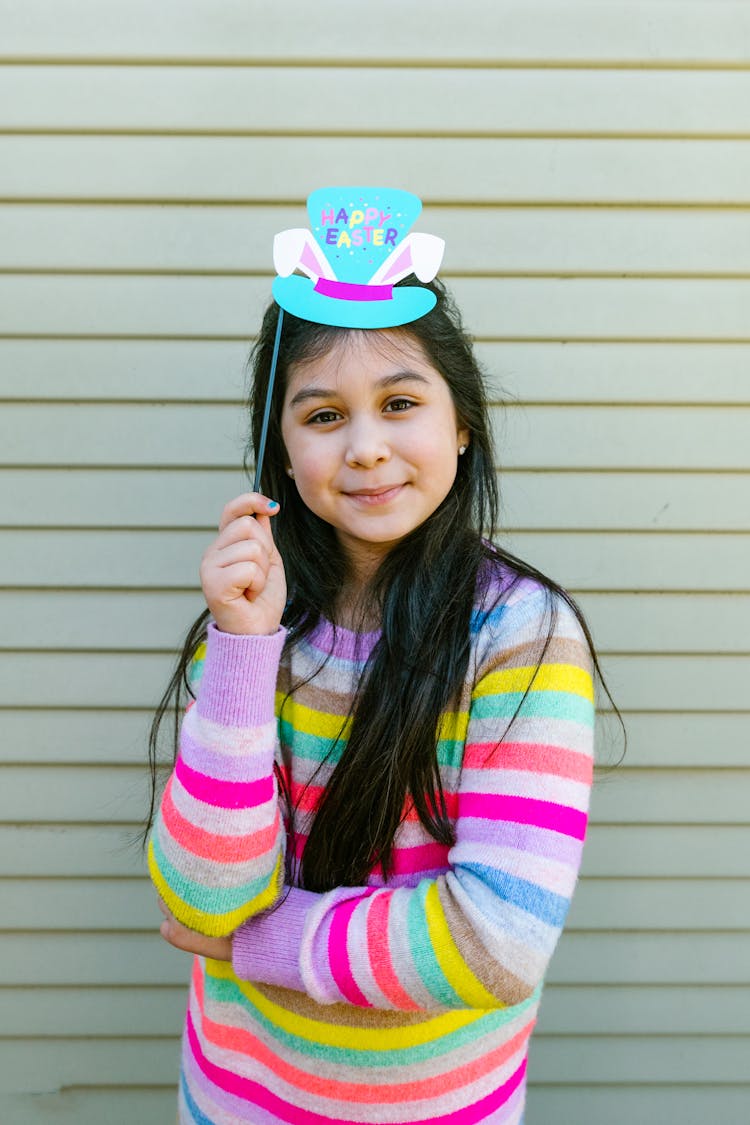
column 373, row 496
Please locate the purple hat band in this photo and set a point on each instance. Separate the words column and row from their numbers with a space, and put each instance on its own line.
column 348, row 291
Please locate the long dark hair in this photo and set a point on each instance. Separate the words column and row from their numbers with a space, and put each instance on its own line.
column 424, row 590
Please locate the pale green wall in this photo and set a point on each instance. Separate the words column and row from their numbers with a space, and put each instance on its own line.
column 588, row 166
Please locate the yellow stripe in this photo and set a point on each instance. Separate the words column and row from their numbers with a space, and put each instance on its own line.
column 458, row 974
column 453, row 726
column 309, row 721
column 213, row 925
column 550, row 677
column 338, row 1035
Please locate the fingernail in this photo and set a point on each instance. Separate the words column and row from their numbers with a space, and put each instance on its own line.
column 273, row 505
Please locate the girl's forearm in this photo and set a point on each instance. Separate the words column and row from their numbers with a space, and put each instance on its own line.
column 215, row 855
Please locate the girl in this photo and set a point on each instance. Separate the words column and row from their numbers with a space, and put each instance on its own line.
column 375, row 820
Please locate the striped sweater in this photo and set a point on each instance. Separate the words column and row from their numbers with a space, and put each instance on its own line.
column 411, row 1001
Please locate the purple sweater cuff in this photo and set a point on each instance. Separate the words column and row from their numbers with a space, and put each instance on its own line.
column 239, row 678
column 266, row 949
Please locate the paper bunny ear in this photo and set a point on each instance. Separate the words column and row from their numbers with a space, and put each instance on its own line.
column 297, row 249
column 420, row 254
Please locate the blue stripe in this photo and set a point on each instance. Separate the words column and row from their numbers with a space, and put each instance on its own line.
column 549, row 907
column 196, row 1112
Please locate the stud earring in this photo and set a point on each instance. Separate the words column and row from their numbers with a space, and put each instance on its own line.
column 290, row 472
column 461, row 450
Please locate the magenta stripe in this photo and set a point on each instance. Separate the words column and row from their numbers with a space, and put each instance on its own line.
column 349, row 291
column 524, row 810
column 223, row 794
column 423, row 857
column 256, row 1094
column 338, row 954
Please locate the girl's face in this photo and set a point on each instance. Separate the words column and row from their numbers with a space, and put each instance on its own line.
column 372, row 438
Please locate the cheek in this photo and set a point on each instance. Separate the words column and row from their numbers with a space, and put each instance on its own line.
column 300, row 450
column 434, row 444
column 314, row 471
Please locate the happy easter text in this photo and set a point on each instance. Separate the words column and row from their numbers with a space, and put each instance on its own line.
column 364, row 226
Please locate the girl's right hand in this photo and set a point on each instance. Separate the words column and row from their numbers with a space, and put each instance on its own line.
column 242, row 573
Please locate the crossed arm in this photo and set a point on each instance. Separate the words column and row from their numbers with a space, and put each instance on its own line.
column 521, row 818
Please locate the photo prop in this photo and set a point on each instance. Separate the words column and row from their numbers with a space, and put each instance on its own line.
column 359, row 245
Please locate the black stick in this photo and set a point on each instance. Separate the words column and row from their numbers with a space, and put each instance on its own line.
column 267, row 408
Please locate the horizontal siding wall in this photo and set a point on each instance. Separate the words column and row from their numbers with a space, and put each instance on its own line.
column 589, row 168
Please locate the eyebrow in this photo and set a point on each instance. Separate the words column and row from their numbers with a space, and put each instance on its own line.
column 307, row 393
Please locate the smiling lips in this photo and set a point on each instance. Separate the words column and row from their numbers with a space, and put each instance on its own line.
column 374, row 496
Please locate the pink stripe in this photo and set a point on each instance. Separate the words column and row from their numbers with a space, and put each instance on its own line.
column 308, row 259
column 224, row 794
column 537, row 757
column 256, row 1094
column 208, row 845
column 324, row 1086
column 381, row 965
column 524, row 810
column 404, row 259
column 307, row 797
column 338, row 954
column 423, row 857
column 348, row 291
column 406, row 861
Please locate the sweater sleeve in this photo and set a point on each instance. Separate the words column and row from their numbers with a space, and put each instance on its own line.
column 215, row 853
column 481, row 934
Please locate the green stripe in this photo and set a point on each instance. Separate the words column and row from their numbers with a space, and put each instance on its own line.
column 318, row 748
column 544, row 704
column 220, row 900
column 450, row 752
column 220, row 990
column 422, row 952
column 314, row 747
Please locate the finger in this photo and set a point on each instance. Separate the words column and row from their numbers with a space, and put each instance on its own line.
column 239, row 580
column 230, row 574
column 246, row 528
column 246, row 550
column 248, row 504
column 175, row 933
column 163, row 907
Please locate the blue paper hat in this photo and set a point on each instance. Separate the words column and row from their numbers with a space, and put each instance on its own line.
column 358, row 246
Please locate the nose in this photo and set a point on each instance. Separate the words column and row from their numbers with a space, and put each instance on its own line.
column 366, row 443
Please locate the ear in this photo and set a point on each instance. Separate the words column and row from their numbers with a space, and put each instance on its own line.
column 463, row 436
column 420, row 254
column 297, row 249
